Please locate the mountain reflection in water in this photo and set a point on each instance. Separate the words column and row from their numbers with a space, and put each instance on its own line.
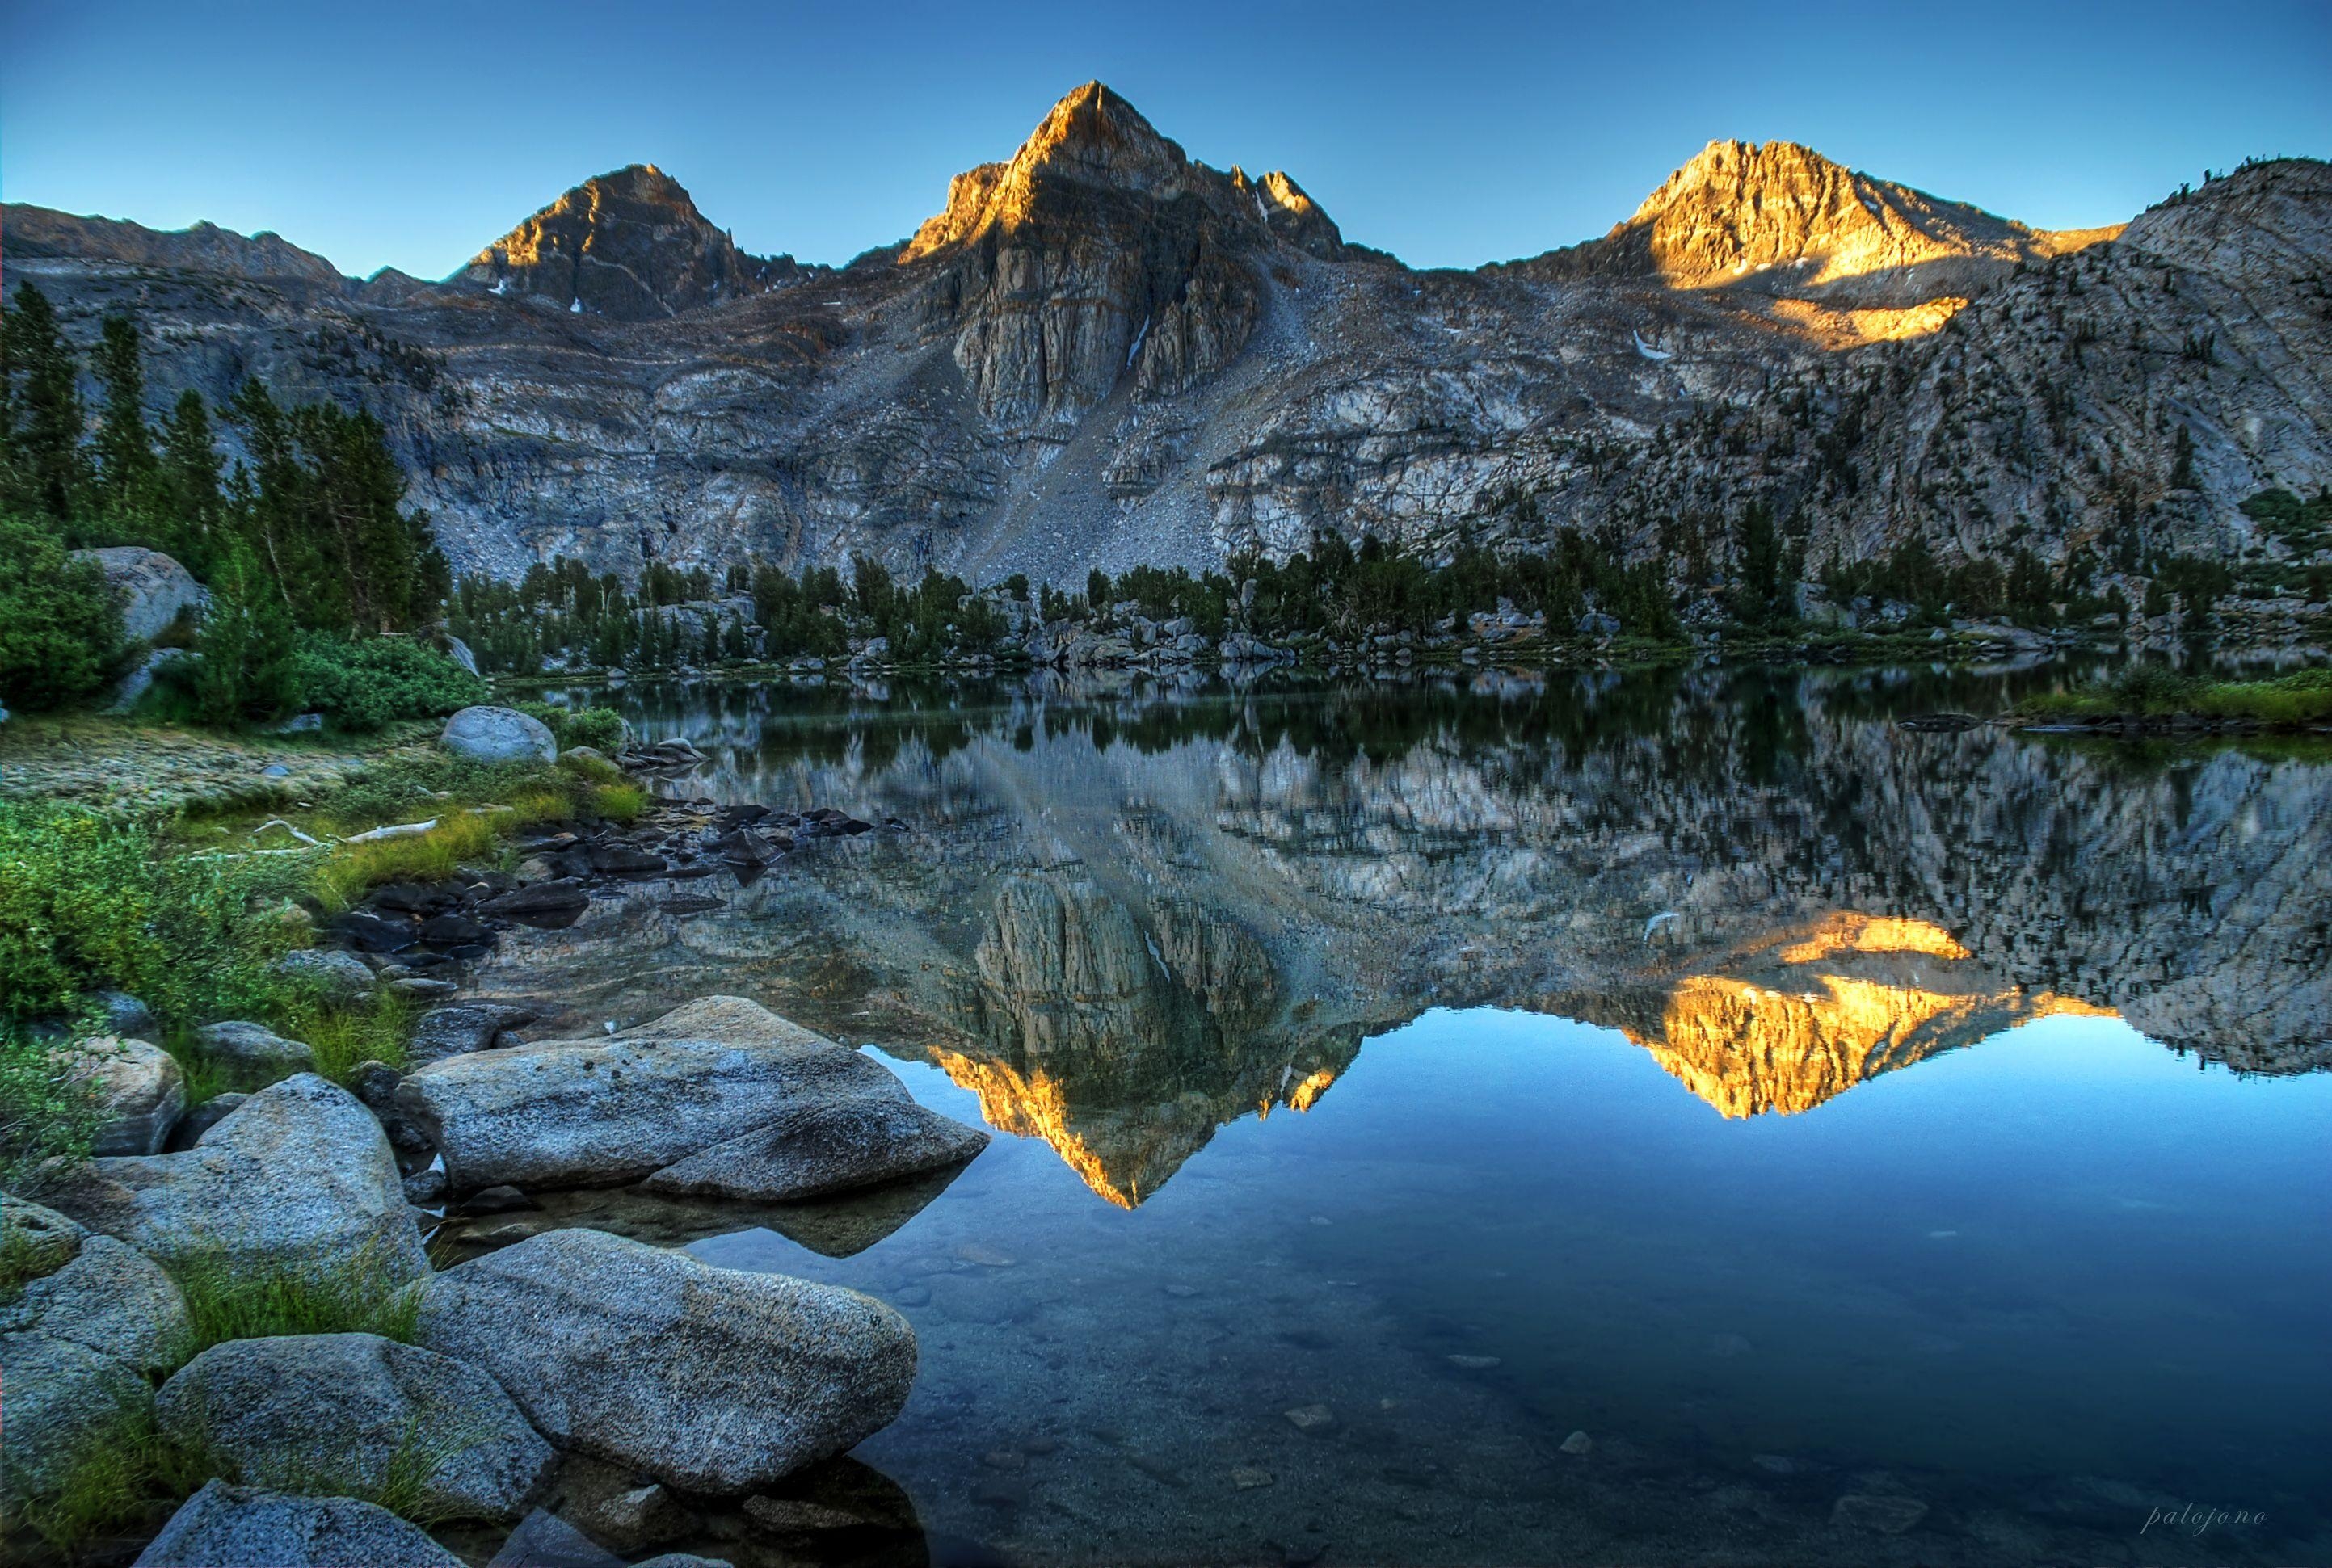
column 1126, row 913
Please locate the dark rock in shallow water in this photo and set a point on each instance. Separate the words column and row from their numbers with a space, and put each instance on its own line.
column 224, row 1526
column 373, row 932
column 622, row 860
column 373, row 1083
column 547, row 1540
column 497, row 1201
column 538, row 898
column 465, row 1027
column 452, row 930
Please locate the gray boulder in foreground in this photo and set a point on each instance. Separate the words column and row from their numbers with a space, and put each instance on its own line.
column 490, row 734
column 811, row 1150
column 299, row 1177
column 224, row 1526
column 339, row 978
column 344, row 1408
column 708, row 1379
column 595, row 1112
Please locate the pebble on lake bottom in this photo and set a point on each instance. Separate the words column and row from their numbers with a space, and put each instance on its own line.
column 1578, row 1443
column 1473, row 1362
column 1312, row 1418
column 1869, row 1511
column 1247, row 1478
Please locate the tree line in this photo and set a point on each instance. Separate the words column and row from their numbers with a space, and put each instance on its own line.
column 303, row 541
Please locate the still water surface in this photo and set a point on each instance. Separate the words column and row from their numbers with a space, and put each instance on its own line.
column 1799, row 1107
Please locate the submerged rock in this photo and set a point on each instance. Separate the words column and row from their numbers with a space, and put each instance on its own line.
column 707, row 1379
column 347, row 1410
column 299, row 1177
column 224, row 1526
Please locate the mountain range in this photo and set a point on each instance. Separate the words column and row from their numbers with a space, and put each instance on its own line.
column 1101, row 352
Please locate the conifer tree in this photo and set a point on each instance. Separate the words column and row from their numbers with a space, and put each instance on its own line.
column 46, row 469
column 126, row 468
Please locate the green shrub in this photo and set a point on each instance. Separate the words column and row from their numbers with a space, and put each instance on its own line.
column 60, row 628
column 88, row 901
column 600, row 729
column 364, row 683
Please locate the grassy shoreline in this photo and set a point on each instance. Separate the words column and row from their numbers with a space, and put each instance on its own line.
column 2150, row 699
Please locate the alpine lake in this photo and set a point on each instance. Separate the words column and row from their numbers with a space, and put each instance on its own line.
column 1503, row 1119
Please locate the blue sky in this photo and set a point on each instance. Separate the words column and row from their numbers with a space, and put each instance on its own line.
column 1450, row 134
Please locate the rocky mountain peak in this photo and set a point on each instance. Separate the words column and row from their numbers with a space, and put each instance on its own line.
column 629, row 245
column 1780, row 218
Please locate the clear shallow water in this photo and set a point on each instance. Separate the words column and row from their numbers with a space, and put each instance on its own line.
column 1799, row 1107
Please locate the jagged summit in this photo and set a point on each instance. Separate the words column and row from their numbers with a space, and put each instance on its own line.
column 629, row 245
column 1095, row 139
column 1783, row 219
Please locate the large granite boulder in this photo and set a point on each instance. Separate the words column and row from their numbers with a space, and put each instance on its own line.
column 707, row 1379
column 141, row 1087
column 224, row 1526
column 347, row 1411
column 489, row 734
column 300, row 1177
column 580, row 1113
column 154, row 589
column 89, row 1322
column 811, row 1150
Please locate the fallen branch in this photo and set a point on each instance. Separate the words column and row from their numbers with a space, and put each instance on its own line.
column 404, row 831
column 287, row 827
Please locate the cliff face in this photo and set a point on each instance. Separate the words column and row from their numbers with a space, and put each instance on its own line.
column 1101, row 352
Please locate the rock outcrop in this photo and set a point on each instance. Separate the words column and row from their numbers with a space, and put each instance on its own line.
column 706, row 1379
column 490, row 734
column 153, row 589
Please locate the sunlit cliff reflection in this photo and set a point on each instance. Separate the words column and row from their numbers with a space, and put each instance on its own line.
column 1125, row 915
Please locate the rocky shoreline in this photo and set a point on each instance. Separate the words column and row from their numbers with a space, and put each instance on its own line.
column 600, row 1393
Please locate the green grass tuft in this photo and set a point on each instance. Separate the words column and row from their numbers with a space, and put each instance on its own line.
column 228, row 1298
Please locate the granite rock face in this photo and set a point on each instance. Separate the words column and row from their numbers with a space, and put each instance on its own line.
column 281, row 1411
column 815, row 1149
column 707, row 1379
column 1101, row 352
column 629, row 245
